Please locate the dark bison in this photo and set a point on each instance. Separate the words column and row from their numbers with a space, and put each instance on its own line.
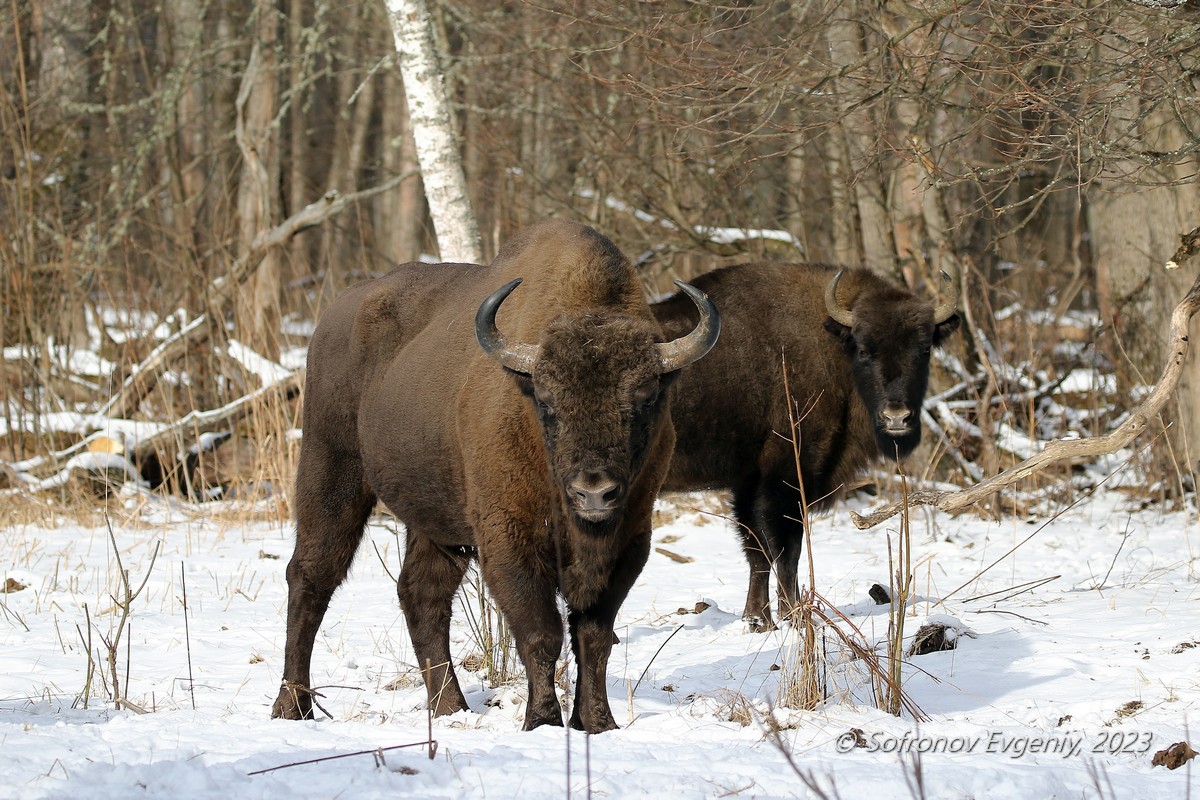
column 538, row 450
column 857, row 354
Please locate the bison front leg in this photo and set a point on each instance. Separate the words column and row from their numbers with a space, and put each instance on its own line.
column 592, row 640
column 428, row 580
column 527, row 599
column 333, row 505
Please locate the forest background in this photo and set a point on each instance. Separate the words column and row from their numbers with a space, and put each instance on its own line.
column 222, row 169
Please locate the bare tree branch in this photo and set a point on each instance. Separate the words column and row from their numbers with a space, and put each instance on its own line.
column 1062, row 449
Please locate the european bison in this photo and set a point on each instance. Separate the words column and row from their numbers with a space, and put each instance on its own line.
column 857, row 353
column 539, row 454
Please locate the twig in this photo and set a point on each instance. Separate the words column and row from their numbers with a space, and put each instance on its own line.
column 1011, row 614
column 187, row 635
column 1020, row 588
column 372, row 752
column 8, row 612
column 1120, row 547
column 656, row 652
column 433, row 745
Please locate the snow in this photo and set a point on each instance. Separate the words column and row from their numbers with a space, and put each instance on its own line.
column 716, row 234
column 1036, row 705
column 268, row 371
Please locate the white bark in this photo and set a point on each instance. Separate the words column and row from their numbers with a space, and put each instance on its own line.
column 437, row 149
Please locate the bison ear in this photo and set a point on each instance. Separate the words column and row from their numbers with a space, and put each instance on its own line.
column 839, row 330
column 524, row 382
column 944, row 330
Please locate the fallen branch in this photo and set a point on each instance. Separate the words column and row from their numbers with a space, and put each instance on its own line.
column 1062, row 449
column 198, row 422
column 144, row 376
column 78, row 458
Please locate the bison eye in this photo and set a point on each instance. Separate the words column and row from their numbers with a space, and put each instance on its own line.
column 646, row 394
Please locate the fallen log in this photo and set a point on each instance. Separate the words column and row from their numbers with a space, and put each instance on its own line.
column 94, row 455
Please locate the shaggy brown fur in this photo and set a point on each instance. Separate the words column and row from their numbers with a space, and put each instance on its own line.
column 730, row 411
column 547, row 477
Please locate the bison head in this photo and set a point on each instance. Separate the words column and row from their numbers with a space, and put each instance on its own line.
column 887, row 335
column 598, row 383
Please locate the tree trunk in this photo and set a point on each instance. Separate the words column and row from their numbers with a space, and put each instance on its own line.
column 399, row 214
column 298, row 190
column 257, row 137
column 352, row 100
column 437, row 147
column 1136, row 215
column 860, row 132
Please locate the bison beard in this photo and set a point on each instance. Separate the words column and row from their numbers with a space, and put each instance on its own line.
column 541, row 456
column 856, row 349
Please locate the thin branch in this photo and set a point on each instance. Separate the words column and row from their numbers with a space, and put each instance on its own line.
column 377, row 752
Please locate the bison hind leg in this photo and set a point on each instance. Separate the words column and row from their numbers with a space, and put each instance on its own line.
column 760, row 552
column 333, row 505
column 779, row 512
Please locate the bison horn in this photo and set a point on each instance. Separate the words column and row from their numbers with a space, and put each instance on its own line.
column 947, row 308
column 679, row 353
column 518, row 357
column 839, row 313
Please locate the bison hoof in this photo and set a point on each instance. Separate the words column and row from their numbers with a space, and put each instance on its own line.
column 532, row 722
column 601, row 721
column 759, row 624
column 293, row 702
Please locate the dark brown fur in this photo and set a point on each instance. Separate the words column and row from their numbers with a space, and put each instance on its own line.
column 731, row 416
column 403, row 406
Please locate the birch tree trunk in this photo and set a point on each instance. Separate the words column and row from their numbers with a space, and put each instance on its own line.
column 437, row 148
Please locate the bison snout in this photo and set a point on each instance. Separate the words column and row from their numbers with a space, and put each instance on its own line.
column 896, row 419
column 594, row 493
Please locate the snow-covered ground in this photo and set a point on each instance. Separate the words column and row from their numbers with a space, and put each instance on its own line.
column 1099, row 666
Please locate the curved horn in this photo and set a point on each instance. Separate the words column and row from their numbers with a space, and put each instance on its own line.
column 948, row 307
column 840, row 314
column 679, row 353
column 518, row 357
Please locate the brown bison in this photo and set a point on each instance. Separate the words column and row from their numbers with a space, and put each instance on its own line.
column 539, row 450
column 857, row 354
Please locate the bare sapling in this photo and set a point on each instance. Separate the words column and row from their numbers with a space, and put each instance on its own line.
column 123, row 606
column 496, row 652
column 803, row 688
column 901, row 591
